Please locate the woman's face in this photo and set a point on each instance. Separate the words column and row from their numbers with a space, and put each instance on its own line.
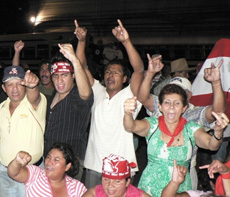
column 55, row 165
column 172, row 108
column 115, row 188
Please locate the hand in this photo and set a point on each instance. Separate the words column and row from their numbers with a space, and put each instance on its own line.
column 120, row 32
column 18, row 46
column 23, row 158
column 215, row 167
column 179, row 173
column 213, row 74
column 130, row 105
column 30, row 80
column 155, row 64
column 221, row 122
column 80, row 32
column 68, row 51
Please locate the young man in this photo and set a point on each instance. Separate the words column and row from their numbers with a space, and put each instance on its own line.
column 22, row 127
column 107, row 133
column 68, row 111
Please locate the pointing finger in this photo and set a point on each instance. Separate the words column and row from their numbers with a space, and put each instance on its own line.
column 120, row 23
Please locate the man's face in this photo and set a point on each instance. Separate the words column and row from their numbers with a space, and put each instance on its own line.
column 14, row 90
column 115, row 187
column 44, row 74
column 114, row 78
column 63, row 82
column 182, row 74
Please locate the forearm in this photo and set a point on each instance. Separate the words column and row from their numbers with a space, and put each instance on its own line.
column 226, row 183
column 134, row 57
column 82, row 81
column 219, row 104
column 214, row 144
column 170, row 190
column 16, row 59
column 80, row 53
column 144, row 91
column 33, row 96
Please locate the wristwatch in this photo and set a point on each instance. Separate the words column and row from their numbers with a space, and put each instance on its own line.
column 218, row 139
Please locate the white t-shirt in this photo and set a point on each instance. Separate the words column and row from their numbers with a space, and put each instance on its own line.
column 107, row 133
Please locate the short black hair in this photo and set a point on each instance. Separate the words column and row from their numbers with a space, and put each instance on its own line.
column 173, row 89
column 69, row 156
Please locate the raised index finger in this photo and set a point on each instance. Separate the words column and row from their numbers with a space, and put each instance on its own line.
column 76, row 24
column 119, row 22
column 220, row 63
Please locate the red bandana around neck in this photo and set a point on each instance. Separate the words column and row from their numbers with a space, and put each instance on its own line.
column 165, row 130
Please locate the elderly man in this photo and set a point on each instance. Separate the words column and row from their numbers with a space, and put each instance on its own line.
column 179, row 68
column 22, row 127
column 201, row 115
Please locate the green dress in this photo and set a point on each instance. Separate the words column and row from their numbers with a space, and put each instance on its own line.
column 158, row 171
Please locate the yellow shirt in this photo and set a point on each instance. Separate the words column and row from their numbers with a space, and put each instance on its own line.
column 24, row 130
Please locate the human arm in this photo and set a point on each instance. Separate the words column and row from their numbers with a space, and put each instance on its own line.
column 155, row 65
column 135, row 60
column 206, row 141
column 81, row 33
column 140, row 127
column 212, row 75
column 81, row 78
column 30, row 81
column 178, row 176
column 90, row 192
column 218, row 167
column 18, row 46
column 17, row 168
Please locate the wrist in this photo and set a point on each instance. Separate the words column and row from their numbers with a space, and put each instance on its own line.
column 218, row 136
column 216, row 83
column 32, row 87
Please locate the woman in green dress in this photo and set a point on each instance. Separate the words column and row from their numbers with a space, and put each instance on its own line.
column 170, row 137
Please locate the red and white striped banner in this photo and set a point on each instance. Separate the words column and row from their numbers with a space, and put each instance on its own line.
column 202, row 90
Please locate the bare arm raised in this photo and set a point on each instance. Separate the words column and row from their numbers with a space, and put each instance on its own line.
column 18, row 46
column 17, row 168
column 212, row 75
column 81, row 33
column 30, row 82
column 81, row 78
column 135, row 60
column 144, row 96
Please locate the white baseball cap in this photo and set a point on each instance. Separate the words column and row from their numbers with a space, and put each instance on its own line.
column 182, row 82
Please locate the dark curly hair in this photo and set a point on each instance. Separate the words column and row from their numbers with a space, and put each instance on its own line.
column 173, row 89
column 69, row 156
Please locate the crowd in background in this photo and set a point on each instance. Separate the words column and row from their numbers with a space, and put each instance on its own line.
column 70, row 127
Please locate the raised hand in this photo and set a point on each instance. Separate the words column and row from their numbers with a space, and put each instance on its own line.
column 68, row 51
column 18, row 46
column 215, row 167
column 130, row 105
column 212, row 74
column 23, row 158
column 120, row 32
column 30, row 80
column 80, row 32
column 221, row 122
column 179, row 173
column 155, row 64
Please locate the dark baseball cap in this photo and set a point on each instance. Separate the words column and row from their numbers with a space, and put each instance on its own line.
column 13, row 72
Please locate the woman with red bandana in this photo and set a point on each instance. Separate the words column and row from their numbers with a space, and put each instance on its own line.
column 170, row 138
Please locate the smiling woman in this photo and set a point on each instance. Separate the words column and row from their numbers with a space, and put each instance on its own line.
column 55, row 179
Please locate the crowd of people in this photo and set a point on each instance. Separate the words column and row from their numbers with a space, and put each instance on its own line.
column 66, row 132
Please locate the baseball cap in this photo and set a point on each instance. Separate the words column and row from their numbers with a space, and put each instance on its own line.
column 13, row 72
column 182, row 82
column 61, row 66
column 116, row 167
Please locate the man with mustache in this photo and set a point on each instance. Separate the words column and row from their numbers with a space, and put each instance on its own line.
column 46, row 85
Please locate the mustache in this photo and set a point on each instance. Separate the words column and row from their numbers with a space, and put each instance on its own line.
column 44, row 76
